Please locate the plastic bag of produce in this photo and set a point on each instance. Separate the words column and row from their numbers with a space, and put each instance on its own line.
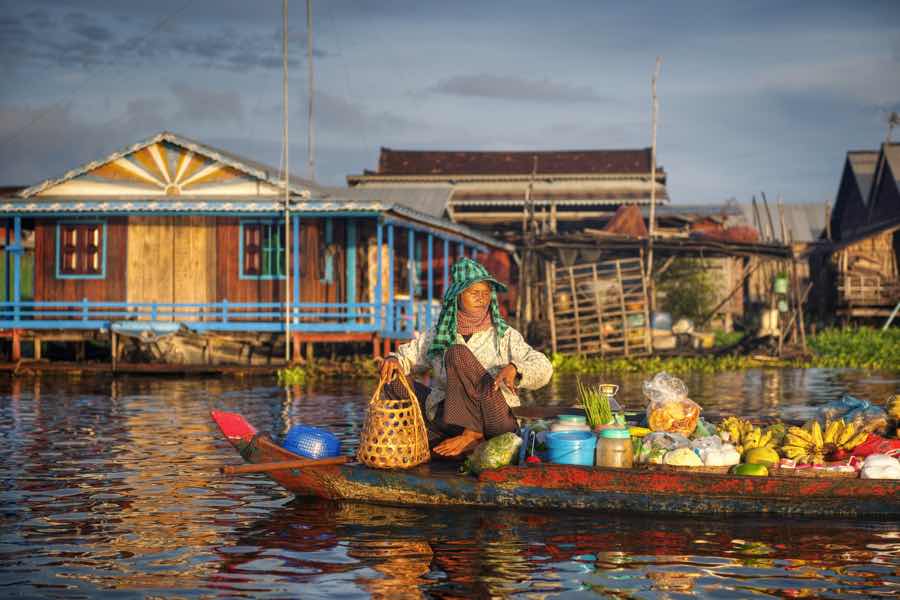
column 880, row 466
column 838, row 408
column 669, row 408
column 497, row 452
column 682, row 457
column 872, row 419
column 723, row 456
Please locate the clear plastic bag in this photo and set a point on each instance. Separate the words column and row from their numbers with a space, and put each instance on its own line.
column 669, row 408
column 864, row 415
column 497, row 452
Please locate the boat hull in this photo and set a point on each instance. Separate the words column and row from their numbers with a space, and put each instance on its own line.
column 550, row 486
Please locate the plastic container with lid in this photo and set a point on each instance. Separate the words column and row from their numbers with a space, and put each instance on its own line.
column 570, row 423
column 571, row 447
column 614, row 449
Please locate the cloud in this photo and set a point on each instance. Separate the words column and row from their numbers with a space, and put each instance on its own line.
column 340, row 115
column 504, row 87
column 203, row 104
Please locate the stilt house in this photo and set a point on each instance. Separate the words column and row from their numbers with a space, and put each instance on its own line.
column 170, row 235
column 865, row 229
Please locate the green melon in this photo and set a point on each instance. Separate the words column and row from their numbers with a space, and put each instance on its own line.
column 761, row 456
column 750, row 469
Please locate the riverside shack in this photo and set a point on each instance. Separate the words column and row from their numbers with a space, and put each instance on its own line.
column 865, row 233
column 182, row 248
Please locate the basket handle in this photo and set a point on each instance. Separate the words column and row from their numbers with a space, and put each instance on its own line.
column 409, row 390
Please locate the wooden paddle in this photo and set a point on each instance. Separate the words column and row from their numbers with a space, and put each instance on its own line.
column 283, row 464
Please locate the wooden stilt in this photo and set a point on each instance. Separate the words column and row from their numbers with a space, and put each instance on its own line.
column 16, row 345
column 376, row 346
column 310, row 352
column 113, row 349
column 37, row 348
column 387, row 346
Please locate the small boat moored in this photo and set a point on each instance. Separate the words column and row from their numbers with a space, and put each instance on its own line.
column 555, row 486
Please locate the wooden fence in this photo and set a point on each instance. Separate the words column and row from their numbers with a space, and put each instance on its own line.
column 598, row 308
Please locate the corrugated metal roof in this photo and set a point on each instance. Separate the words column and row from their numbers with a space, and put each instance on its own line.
column 863, row 164
column 440, row 162
column 431, row 200
column 232, row 205
column 803, row 222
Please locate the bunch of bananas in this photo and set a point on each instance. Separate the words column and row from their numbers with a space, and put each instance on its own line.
column 893, row 407
column 744, row 435
column 810, row 444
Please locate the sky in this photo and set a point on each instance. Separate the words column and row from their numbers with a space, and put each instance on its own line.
column 754, row 96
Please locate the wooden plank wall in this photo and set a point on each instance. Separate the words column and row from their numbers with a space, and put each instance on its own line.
column 230, row 286
column 171, row 259
column 110, row 289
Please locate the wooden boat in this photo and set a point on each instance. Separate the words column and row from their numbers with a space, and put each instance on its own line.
column 552, row 486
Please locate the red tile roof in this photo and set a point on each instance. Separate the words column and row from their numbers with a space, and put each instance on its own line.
column 426, row 162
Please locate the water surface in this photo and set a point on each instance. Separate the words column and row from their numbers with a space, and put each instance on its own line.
column 111, row 489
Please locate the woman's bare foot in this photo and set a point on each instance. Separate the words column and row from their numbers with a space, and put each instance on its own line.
column 457, row 445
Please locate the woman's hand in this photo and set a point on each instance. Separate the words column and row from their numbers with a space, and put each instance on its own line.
column 389, row 368
column 507, row 377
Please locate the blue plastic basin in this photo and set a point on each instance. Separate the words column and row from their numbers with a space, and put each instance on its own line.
column 571, row 447
column 311, row 442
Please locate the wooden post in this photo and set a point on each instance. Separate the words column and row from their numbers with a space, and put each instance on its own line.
column 652, row 225
column 114, row 349
column 577, row 311
column 622, row 305
column 16, row 345
column 550, row 312
column 599, row 307
column 376, row 346
column 37, row 348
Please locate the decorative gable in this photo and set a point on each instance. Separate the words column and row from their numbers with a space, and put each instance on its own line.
column 161, row 168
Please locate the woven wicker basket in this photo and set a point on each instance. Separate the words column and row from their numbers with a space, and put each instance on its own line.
column 394, row 435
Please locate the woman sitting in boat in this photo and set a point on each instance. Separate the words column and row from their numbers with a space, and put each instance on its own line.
column 477, row 363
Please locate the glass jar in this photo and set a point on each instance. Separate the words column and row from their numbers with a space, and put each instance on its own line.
column 614, row 449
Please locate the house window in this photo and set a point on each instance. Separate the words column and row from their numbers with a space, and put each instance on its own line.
column 262, row 250
column 81, row 250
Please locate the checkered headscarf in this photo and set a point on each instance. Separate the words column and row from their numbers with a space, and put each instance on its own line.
column 464, row 273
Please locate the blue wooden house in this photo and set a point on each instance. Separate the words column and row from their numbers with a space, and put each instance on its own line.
column 170, row 235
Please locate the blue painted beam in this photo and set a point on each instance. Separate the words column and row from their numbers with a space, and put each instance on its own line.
column 17, row 266
column 351, row 261
column 411, row 273
column 446, row 264
column 379, row 236
column 296, row 259
column 430, row 281
column 390, row 314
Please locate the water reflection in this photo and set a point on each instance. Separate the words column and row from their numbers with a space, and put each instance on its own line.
column 111, row 487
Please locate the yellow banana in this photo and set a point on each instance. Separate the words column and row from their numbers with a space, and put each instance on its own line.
column 816, row 431
column 766, row 439
column 793, row 452
column 800, row 433
column 831, row 431
column 856, row 440
column 847, row 434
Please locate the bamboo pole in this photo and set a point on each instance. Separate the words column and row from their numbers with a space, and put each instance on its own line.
column 652, row 228
column 281, row 465
column 550, row 309
column 287, row 194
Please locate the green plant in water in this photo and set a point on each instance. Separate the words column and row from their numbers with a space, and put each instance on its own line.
column 596, row 405
column 291, row 376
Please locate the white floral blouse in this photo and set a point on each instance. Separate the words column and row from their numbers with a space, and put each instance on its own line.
column 534, row 368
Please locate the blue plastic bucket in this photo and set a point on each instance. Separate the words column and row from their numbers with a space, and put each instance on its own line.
column 571, row 447
column 311, row 442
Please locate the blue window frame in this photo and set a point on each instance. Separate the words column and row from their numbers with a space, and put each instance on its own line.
column 262, row 250
column 81, row 250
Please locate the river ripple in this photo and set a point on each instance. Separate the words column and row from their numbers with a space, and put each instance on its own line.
column 110, row 489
